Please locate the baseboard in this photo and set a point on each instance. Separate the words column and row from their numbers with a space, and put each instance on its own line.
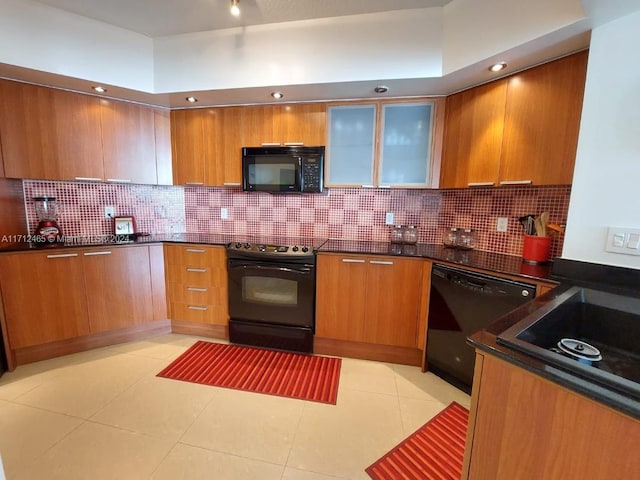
column 368, row 351
column 89, row 342
column 200, row 329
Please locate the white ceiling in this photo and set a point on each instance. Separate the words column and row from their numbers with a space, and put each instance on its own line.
column 156, row 18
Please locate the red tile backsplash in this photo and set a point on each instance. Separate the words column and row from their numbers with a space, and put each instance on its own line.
column 348, row 214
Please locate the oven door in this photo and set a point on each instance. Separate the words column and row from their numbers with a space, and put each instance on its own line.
column 272, row 292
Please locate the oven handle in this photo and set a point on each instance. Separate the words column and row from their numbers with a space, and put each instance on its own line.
column 270, row 267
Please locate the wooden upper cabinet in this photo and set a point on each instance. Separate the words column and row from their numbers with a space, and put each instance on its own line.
column 162, row 127
column 129, row 142
column 1, row 160
column 261, row 124
column 231, row 145
column 49, row 134
column 542, row 120
column 473, row 136
column 187, row 145
column 522, row 129
column 213, row 134
column 304, row 123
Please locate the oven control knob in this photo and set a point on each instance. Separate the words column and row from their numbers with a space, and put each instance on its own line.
column 247, row 246
column 305, row 249
column 238, row 245
column 295, row 249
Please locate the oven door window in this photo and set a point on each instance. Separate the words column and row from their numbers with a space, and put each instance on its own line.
column 270, row 291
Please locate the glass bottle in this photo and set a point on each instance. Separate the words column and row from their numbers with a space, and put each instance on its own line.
column 410, row 234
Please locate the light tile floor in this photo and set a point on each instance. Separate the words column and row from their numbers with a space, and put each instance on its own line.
column 104, row 414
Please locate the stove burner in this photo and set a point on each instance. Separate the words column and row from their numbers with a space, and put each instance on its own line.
column 579, row 350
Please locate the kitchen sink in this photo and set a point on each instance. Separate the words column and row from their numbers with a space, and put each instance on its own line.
column 591, row 333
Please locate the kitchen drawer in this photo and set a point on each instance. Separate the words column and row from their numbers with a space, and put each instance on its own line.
column 197, row 294
column 195, row 255
column 201, row 313
column 196, row 275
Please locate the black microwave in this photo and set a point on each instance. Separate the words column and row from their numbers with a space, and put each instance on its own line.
column 283, row 169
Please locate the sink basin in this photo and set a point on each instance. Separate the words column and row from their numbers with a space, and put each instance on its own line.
column 608, row 324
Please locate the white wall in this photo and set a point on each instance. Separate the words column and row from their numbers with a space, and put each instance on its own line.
column 475, row 30
column 39, row 37
column 606, row 182
column 398, row 44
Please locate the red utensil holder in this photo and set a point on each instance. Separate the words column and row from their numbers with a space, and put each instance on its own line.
column 536, row 249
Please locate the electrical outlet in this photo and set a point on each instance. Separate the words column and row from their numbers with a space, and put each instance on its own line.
column 502, row 224
column 109, row 211
column 224, row 213
column 388, row 218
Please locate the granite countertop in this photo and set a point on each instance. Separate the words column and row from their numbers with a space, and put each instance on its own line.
column 491, row 262
column 486, row 340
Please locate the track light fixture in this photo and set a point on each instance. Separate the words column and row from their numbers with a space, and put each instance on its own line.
column 235, row 8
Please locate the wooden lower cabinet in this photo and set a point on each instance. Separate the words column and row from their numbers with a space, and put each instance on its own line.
column 374, row 300
column 196, row 280
column 526, row 427
column 61, row 301
column 44, row 297
column 118, row 282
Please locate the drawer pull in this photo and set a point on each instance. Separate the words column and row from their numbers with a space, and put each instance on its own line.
column 63, row 255
column 380, row 262
column 194, row 183
column 118, row 180
column 352, row 260
column 88, row 179
column 197, row 270
column 196, row 307
column 196, row 289
column 480, row 184
column 93, row 254
column 516, row 182
column 196, row 250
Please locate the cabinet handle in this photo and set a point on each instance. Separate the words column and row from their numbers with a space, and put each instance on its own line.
column 380, row 262
column 368, row 186
column 293, row 144
column 194, row 183
column 480, row 184
column 88, row 179
column 352, row 260
column 196, row 307
column 231, row 184
column 93, row 254
column 118, row 180
column 384, row 186
column 270, row 144
column 197, row 270
column 196, row 250
column 196, row 289
column 516, row 182
column 63, row 255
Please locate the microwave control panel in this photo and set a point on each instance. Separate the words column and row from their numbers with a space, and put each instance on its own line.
column 312, row 174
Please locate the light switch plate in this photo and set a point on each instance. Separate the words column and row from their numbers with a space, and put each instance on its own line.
column 224, row 213
column 502, row 224
column 623, row 240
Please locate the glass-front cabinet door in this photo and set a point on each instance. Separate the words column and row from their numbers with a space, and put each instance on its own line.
column 382, row 144
column 351, row 146
column 405, row 139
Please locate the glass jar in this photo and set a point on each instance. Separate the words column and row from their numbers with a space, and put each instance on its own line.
column 467, row 239
column 450, row 238
column 410, row 234
column 397, row 234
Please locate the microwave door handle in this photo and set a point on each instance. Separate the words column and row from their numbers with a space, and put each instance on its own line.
column 300, row 176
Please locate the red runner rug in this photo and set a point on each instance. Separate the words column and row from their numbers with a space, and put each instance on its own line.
column 293, row 375
column 433, row 452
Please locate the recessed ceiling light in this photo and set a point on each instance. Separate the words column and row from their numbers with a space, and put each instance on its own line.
column 496, row 67
column 191, row 99
column 381, row 89
column 235, row 8
column 277, row 95
column 99, row 89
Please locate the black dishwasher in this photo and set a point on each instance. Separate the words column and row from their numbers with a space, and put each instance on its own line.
column 461, row 303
